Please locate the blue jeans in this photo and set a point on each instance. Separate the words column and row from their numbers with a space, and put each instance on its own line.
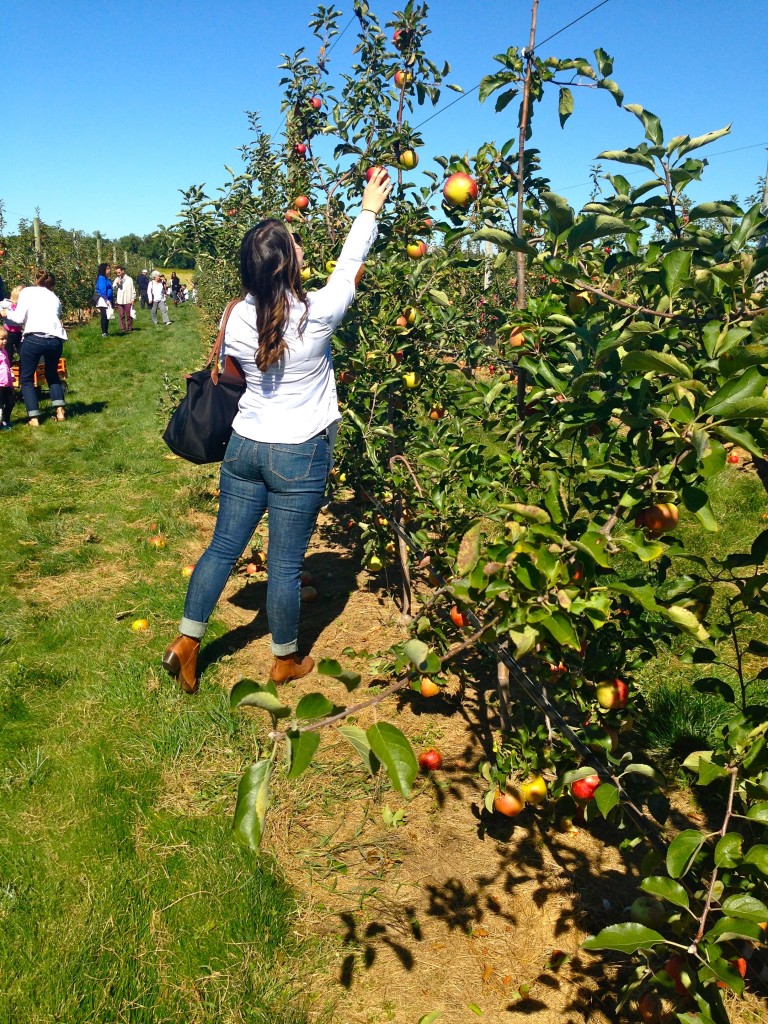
column 34, row 348
column 288, row 481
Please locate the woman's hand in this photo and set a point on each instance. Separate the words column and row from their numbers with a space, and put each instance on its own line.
column 377, row 189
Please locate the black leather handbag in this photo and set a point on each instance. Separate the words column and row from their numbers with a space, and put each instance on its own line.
column 201, row 425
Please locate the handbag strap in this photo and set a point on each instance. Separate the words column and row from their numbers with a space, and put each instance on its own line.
column 215, row 353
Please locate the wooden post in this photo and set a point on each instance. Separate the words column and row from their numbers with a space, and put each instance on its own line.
column 98, row 247
column 38, row 243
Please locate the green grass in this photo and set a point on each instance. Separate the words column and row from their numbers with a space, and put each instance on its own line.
column 122, row 894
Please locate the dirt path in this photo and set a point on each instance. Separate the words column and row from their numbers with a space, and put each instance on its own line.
column 446, row 908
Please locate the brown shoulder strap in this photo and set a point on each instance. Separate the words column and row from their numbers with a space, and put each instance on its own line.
column 214, row 354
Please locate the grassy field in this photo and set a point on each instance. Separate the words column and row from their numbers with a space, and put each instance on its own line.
column 113, row 905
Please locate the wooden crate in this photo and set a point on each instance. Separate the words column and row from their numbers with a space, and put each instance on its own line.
column 40, row 373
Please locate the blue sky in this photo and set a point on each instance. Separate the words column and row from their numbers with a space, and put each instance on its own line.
column 110, row 108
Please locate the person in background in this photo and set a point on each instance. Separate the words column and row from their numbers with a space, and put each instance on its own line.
column 125, row 296
column 175, row 288
column 7, row 393
column 13, row 341
column 104, row 290
column 142, row 283
column 39, row 313
column 279, row 456
column 156, row 295
column 2, row 289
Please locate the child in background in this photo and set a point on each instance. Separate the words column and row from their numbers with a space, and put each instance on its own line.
column 7, row 394
column 13, row 341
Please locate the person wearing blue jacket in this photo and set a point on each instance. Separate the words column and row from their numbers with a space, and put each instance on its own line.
column 103, row 289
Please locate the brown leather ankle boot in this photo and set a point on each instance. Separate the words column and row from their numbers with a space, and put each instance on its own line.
column 180, row 661
column 290, row 666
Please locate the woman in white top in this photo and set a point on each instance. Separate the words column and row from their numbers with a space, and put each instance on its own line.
column 38, row 312
column 279, row 456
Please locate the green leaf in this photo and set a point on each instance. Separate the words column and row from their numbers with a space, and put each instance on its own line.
column 759, row 813
column 728, row 850
column 606, row 797
column 665, row 889
column 676, row 268
column 658, row 362
column 736, row 435
column 560, row 218
column 440, row 297
column 757, row 857
column 560, row 627
column 395, row 753
column 312, row 706
column 711, row 684
column 252, row 805
column 249, row 694
column 650, row 121
column 595, row 226
column 503, row 239
column 637, row 157
column 702, row 140
column 594, row 543
column 610, row 86
column 331, row 667
column 750, row 385
column 417, row 652
column 565, row 105
column 303, row 747
column 624, row 938
column 684, row 620
column 702, row 210
column 746, row 409
column 469, row 550
column 728, row 928
column 720, row 970
column 682, row 852
column 759, row 553
column 746, row 908
column 356, row 737
column 430, row 1018
column 532, row 513
column 696, row 500
column 604, row 62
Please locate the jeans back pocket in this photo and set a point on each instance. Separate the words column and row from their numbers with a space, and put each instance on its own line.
column 292, row 462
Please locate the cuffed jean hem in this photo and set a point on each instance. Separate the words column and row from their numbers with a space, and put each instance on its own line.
column 280, row 649
column 33, row 415
column 57, row 403
column 188, row 627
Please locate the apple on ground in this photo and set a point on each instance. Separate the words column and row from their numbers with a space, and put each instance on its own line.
column 613, row 694
column 733, row 459
column 430, row 760
column 416, row 249
column 138, row 625
column 157, row 540
column 307, row 579
column 584, row 789
column 649, row 1007
column 460, row 190
column 308, row 595
column 187, row 570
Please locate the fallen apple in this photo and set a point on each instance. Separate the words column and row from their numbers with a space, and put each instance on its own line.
column 307, row 579
column 733, row 459
column 649, row 1007
column 308, row 595
column 140, row 624
column 430, row 760
column 187, row 570
column 157, row 540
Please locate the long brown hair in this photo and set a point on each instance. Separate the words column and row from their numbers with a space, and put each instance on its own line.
column 270, row 272
column 45, row 279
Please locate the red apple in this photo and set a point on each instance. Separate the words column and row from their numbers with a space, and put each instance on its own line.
column 301, row 202
column 402, row 38
column 460, row 190
column 509, row 804
column 300, row 150
column 308, row 595
column 430, row 760
column 187, row 570
column 416, row 250
column 649, row 1008
column 458, row 617
column 157, row 541
column 402, row 78
column 733, row 459
column 293, row 216
column 315, row 103
column 370, row 171
column 660, row 518
column 613, row 694
column 584, row 789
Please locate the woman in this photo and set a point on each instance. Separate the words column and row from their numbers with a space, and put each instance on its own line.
column 38, row 312
column 175, row 288
column 279, row 456
column 103, row 289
